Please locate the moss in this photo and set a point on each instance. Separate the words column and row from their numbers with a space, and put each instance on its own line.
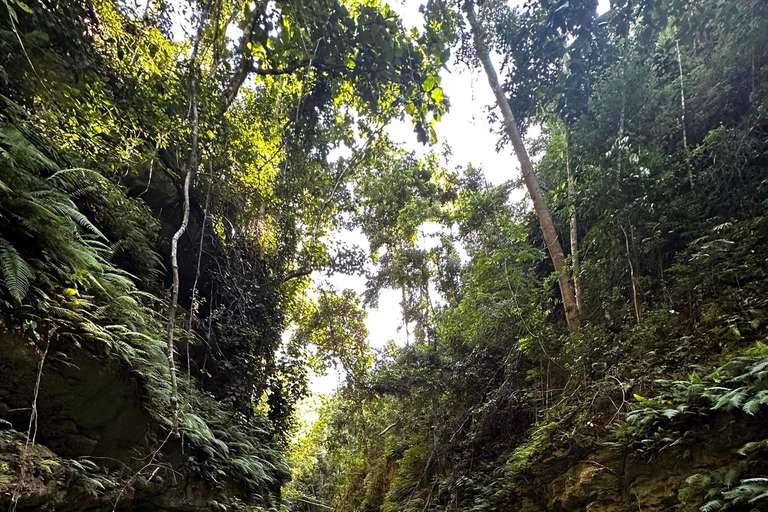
column 531, row 450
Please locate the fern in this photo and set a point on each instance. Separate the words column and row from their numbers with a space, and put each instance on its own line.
column 19, row 152
column 712, row 506
column 68, row 209
column 16, row 272
column 751, row 490
column 61, row 262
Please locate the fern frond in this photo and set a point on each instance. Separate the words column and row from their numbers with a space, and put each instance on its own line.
column 76, row 176
column 23, row 153
column 712, row 506
column 753, row 405
column 69, row 210
column 698, row 479
column 733, row 399
column 16, row 272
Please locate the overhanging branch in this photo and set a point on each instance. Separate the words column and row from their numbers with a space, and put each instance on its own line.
column 293, row 274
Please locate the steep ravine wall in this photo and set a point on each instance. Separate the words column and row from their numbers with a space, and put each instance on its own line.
column 603, row 478
column 91, row 437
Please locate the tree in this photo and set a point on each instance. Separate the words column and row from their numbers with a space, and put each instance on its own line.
column 335, row 327
column 394, row 203
column 389, row 72
column 526, row 167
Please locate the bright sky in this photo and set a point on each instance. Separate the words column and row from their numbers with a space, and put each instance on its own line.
column 465, row 128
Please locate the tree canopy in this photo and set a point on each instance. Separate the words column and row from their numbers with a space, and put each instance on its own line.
column 182, row 185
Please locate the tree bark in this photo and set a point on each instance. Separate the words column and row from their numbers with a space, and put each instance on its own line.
column 682, row 114
column 622, row 117
column 191, row 171
column 575, row 262
column 246, row 59
column 633, row 277
column 405, row 318
column 526, row 167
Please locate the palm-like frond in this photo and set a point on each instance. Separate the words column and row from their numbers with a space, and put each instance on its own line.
column 68, row 209
column 16, row 272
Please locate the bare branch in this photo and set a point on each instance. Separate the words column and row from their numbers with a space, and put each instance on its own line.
column 387, row 429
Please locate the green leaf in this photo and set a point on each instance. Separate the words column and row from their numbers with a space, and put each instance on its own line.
column 429, row 83
column 437, row 95
column 24, row 7
column 12, row 12
column 445, row 55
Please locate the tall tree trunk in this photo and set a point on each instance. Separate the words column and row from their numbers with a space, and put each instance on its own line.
column 682, row 114
column 574, row 223
column 246, row 58
column 622, row 111
column 194, row 154
column 531, row 181
column 405, row 317
column 622, row 119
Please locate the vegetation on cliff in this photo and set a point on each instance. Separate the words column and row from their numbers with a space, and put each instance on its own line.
column 170, row 180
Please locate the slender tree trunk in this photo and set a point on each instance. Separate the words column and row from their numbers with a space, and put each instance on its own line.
column 246, row 59
column 623, row 102
column 191, row 171
column 633, row 278
column 574, row 223
column 752, row 53
column 622, row 119
column 682, row 114
column 405, row 318
column 262, row 220
column 531, row 181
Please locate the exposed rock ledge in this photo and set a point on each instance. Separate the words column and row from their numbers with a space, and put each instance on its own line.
column 92, row 438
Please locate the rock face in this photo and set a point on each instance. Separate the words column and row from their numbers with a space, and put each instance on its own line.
column 602, row 479
column 85, row 405
column 598, row 484
column 91, row 437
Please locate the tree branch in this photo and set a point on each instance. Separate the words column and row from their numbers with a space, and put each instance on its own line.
column 279, row 71
column 293, row 274
column 246, row 60
column 387, row 429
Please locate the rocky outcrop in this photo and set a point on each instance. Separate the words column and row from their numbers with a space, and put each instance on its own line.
column 94, row 447
column 599, row 478
column 86, row 406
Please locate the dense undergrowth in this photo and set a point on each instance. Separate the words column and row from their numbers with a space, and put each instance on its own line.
column 494, row 407
column 496, row 401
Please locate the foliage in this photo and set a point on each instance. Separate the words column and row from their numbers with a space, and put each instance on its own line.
column 490, row 390
column 77, row 294
column 672, row 234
